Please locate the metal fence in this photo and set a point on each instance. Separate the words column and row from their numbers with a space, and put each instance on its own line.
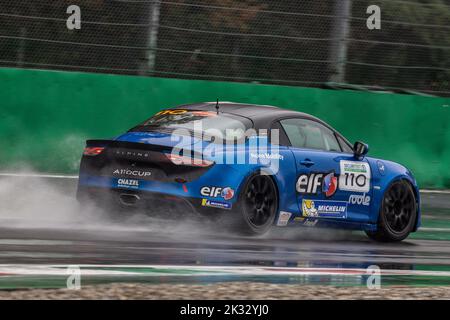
column 290, row 42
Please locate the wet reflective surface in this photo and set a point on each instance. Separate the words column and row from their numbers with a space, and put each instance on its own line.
column 36, row 237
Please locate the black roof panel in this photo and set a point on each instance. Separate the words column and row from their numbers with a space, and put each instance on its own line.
column 261, row 115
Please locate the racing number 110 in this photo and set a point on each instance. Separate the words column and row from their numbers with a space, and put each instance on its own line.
column 359, row 180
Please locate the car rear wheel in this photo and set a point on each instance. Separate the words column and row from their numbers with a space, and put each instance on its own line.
column 257, row 205
column 397, row 214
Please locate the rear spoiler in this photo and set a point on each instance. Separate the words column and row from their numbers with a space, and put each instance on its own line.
column 98, row 143
column 127, row 145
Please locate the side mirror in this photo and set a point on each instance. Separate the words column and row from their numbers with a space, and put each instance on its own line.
column 360, row 149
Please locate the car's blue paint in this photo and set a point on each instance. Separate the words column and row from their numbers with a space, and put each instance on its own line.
column 157, row 138
column 383, row 173
column 392, row 172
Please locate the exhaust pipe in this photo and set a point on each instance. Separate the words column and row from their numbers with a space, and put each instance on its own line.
column 129, row 199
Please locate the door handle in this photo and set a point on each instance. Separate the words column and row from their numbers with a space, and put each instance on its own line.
column 307, row 163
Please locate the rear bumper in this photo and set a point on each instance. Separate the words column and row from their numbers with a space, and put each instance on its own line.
column 152, row 202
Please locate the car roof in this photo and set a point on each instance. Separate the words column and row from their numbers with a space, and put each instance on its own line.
column 261, row 115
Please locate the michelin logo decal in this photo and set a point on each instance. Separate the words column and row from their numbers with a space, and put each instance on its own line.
column 324, row 209
column 216, row 204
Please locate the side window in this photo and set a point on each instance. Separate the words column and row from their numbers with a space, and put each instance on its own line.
column 282, row 138
column 330, row 141
column 304, row 133
column 345, row 147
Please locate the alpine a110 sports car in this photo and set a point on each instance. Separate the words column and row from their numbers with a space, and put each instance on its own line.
column 250, row 167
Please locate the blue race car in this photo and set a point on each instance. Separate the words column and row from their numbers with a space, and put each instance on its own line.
column 252, row 167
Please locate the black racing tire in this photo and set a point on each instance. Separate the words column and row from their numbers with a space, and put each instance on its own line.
column 398, row 213
column 256, row 207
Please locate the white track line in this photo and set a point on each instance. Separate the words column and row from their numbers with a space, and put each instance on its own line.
column 435, row 191
column 159, row 270
column 32, row 175
column 28, row 175
column 435, row 229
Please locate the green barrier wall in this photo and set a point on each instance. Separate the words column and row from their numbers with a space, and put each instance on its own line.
column 46, row 116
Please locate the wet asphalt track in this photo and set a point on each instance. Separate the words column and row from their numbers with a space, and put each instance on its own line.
column 40, row 224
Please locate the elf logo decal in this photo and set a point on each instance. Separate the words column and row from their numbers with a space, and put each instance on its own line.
column 227, row 193
column 330, row 184
column 214, row 192
column 355, row 176
column 210, row 191
column 309, row 183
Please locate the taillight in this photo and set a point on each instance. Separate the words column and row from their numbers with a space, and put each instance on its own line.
column 188, row 161
column 93, row 151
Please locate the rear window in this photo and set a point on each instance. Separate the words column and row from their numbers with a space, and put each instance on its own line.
column 173, row 119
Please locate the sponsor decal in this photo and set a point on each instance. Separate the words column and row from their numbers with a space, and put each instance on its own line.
column 308, row 222
column 174, row 112
column 132, row 153
column 359, row 199
column 309, row 209
column 381, row 167
column 227, row 193
column 204, row 113
column 171, row 112
column 216, row 204
column 324, row 209
column 329, row 184
column 218, row 151
column 267, row 156
column 310, row 183
column 213, row 192
column 128, row 172
column 128, row 183
column 355, row 176
column 283, row 218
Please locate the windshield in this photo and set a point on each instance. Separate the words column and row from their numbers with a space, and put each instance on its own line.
column 209, row 123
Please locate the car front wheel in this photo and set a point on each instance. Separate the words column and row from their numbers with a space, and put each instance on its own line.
column 397, row 214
